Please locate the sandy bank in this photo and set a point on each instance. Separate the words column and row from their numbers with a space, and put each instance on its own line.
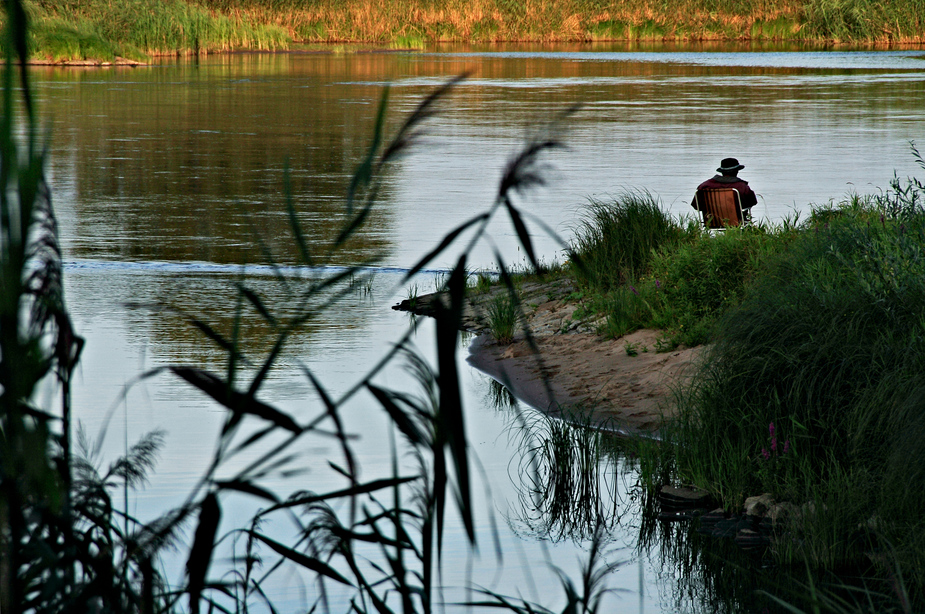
column 569, row 367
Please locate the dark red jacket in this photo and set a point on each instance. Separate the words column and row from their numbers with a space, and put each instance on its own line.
column 748, row 197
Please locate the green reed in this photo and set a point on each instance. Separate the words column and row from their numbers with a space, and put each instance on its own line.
column 616, row 240
column 95, row 29
column 503, row 315
column 64, row 544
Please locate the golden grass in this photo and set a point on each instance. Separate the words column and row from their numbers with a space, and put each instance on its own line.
column 530, row 20
column 229, row 24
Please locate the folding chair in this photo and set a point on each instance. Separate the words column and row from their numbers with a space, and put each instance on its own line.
column 721, row 207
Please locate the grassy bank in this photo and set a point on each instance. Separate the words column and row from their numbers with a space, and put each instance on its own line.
column 138, row 29
column 640, row 268
column 97, row 29
column 811, row 390
column 591, row 20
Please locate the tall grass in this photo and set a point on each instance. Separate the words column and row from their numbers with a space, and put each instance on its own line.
column 102, row 30
column 616, row 241
column 812, row 390
column 864, row 20
column 95, row 29
column 585, row 20
column 503, row 314
column 640, row 267
column 67, row 547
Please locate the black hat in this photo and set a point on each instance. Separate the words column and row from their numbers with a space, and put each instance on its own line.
column 729, row 165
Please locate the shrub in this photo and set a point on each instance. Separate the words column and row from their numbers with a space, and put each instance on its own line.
column 829, row 346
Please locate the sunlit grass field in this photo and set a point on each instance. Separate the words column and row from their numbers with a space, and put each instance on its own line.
column 136, row 29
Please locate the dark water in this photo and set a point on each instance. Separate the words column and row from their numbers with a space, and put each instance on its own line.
column 168, row 179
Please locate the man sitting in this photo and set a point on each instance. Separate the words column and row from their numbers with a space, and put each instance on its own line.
column 729, row 169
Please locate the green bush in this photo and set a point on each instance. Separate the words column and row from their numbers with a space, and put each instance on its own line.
column 828, row 345
column 699, row 280
column 644, row 269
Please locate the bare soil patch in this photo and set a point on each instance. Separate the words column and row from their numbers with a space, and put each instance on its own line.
column 566, row 367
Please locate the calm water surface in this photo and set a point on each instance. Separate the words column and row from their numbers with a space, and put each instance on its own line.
column 165, row 176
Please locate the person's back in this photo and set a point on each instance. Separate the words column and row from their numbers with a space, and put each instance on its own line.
column 728, row 178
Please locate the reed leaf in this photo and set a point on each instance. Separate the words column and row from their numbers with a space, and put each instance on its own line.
column 233, row 400
column 370, row 487
column 200, row 556
column 310, row 563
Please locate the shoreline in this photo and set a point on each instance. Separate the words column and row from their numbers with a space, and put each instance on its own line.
column 337, row 46
column 582, row 375
column 622, row 384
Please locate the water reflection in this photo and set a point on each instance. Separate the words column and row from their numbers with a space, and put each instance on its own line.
column 569, row 476
column 173, row 307
column 699, row 573
column 184, row 161
column 573, row 479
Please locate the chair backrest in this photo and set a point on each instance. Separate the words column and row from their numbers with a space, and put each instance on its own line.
column 721, row 207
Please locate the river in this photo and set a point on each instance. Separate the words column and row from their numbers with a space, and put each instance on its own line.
column 168, row 179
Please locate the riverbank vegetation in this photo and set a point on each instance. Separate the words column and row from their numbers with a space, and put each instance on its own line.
column 364, row 539
column 135, row 30
column 641, row 268
column 811, row 389
column 76, row 30
column 811, row 392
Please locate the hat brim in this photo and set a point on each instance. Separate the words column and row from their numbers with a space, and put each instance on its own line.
column 723, row 169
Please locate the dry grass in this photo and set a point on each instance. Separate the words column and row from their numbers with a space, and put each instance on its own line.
column 530, row 20
column 182, row 26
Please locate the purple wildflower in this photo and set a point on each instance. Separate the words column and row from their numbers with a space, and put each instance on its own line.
column 786, row 446
column 765, row 454
column 633, row 290
column 658, row 284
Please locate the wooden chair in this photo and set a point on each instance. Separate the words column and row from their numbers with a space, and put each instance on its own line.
column 721, row 207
